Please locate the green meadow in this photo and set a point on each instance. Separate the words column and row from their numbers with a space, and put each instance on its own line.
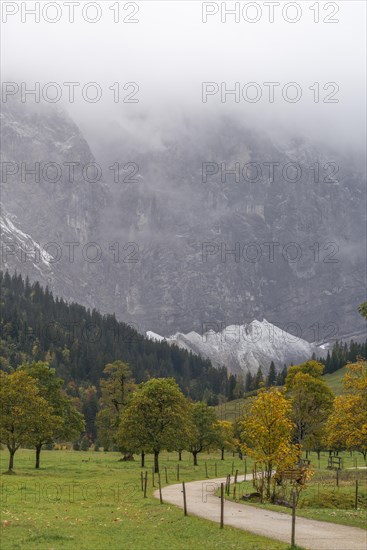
column 91, row 500
column 334, row 380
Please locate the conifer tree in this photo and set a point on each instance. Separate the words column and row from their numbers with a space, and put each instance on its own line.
column 272, row 376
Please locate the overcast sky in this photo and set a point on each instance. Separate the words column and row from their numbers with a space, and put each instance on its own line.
column 170, row 52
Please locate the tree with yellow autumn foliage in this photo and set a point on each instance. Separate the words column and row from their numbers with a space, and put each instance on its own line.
column 267, row 435
column 347, row 424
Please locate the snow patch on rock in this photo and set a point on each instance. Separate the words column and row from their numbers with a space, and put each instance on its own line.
column 243, row 348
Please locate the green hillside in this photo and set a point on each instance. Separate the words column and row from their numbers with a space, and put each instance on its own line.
column 334, row 380
column 233, row 409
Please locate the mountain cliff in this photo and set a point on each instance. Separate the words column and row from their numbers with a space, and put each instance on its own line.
column 177, row 252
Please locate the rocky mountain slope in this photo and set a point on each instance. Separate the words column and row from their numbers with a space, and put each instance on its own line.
column 244, row 348
column 49, row 210
column 165, row 235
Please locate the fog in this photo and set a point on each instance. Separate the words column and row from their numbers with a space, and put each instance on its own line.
column 170, row 52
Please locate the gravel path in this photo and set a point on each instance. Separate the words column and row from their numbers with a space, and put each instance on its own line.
column 310, row 534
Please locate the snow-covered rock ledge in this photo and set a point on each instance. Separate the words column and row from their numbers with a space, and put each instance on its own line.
column 243, row 348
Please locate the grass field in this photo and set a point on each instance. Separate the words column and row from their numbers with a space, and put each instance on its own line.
column 334, row 380
column 90, row 500
column 231, row 410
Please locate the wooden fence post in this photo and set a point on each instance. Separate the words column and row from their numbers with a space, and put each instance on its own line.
column 145, row 483
column 165, row 469
column 184, row 498
column 206, row 470
column 142, row 481
column 178, row 472
column 228, row 484
column 235, row 477
column 293, row 540
column 356, row 498
column 160, row 488
column 232, row 468
column 221, row 505
column 245, row 469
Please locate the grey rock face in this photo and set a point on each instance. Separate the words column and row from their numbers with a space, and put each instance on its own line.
column 49, row 210
column 166, row 237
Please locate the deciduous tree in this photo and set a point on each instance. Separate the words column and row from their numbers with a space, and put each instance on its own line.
column 225, row 436
column 347, row 424
column 69, row 423
column 313, row 368
column 24, row 413
column 267, row 433
column 311, row 400
column 203, row 434
column 115, row 390
column 155, row 418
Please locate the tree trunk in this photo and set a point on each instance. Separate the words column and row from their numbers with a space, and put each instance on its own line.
column 128, row 456
column 11, row 459
column 180, row 455
column 38, row 453
column 195, row 455
column 240, row 455
column 142, row 459
column 268, row 480
column 222, row 457
column 156, row 464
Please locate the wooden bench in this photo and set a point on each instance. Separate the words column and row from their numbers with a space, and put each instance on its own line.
column 335, row 463
column 296, row 474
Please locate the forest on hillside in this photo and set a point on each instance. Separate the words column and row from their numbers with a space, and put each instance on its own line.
column 78, row 343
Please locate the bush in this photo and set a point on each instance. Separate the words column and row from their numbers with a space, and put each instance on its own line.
column 84, row 444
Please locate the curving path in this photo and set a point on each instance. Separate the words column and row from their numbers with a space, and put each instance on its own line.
column 310, row 534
